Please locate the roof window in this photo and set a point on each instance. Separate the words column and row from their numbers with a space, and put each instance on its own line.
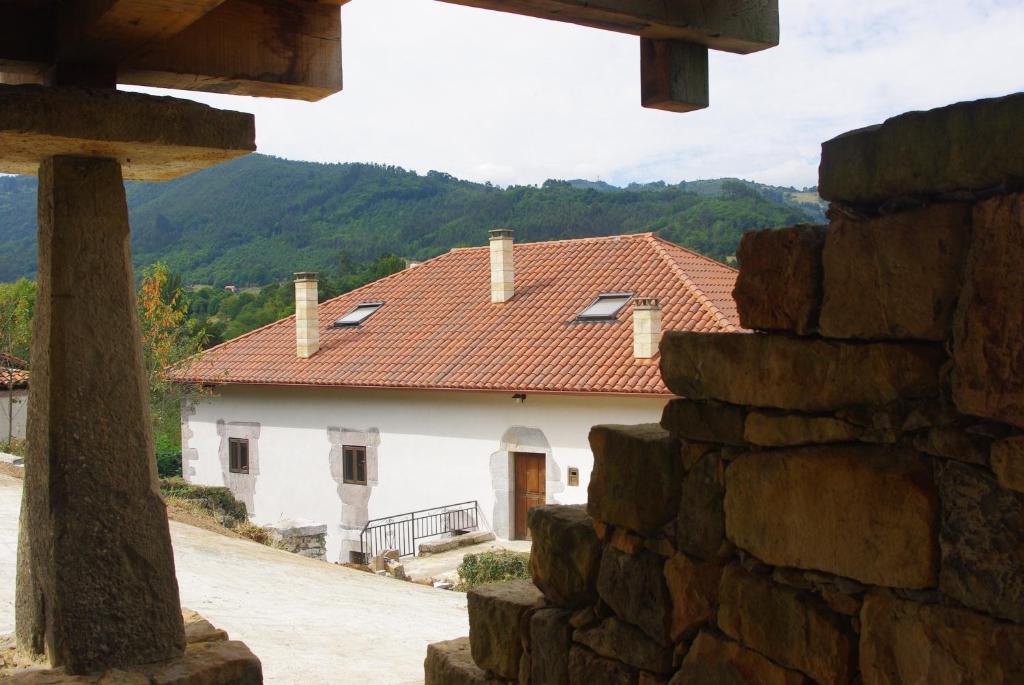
column 361, row 313
column 605, row 308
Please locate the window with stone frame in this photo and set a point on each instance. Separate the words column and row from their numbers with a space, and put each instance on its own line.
column 238, row 455
column 355, row 464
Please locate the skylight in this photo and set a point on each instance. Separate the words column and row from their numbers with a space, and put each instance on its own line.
column 361, row 313
column 605, row 308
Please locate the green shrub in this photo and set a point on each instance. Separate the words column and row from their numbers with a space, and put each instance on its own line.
column 168, row 463
column 492, row 567
column 217, row 500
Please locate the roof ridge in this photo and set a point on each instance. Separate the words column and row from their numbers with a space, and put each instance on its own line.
column 687, row 250
column 585, row 239
column 659, row 247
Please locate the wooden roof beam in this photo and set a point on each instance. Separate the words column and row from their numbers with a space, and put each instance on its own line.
column 108, row 31
column 740, row 26
column 673, row 75
column 267, row 48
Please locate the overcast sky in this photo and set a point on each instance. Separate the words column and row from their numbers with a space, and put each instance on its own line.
column 494, row 97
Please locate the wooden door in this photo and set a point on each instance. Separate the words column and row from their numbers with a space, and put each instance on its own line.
column 529, row 488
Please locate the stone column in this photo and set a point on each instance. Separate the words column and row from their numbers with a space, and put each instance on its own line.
column 96, row 583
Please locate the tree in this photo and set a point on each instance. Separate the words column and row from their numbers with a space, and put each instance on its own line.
column 17, row 301
column 166, row 340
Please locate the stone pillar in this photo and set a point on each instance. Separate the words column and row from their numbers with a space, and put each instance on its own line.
column 96, row 582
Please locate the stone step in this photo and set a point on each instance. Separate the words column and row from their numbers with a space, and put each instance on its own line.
column 450, row 663
column 455, row 542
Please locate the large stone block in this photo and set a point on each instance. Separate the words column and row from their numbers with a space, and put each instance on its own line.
column 988, row 371
column 714, row 422
column 614, row 639
column 700, row 523
column 775, row 429
column 791, row 628
column 152, row 138
column 550, row 639
column 203, row 663
column 566, row 554
column 586, row 668
column 895, row 276
column 209, row 663
column 693, row 588
column 966, row 146
column 905, row 642
column 865, row 512
column 796, row 373
column 780, row 282
column 1008, row 462
column 635, row 481
column 714, row 661
column 954, row 442
column 496, row 612
column 450, row 663
column 982, row 541
column 634, row 587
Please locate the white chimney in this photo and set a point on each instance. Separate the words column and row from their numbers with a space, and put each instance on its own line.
column 646, row 327
column 307, row 321
column 502, row 272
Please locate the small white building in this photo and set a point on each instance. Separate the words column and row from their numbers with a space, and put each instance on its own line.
column 472, row 378
column 13, row 397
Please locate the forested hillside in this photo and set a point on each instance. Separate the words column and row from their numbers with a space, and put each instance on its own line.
column 257, row 220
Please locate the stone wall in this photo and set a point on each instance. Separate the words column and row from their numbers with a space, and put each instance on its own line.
column 839, row 498
column 298, row 536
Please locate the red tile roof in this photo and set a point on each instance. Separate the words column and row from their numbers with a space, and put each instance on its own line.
column 11, row 376
column 439, row 330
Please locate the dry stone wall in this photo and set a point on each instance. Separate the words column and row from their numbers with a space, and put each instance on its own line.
column 836, row 496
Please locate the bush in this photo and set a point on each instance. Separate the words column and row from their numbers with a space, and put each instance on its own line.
column 14, row 446
column 492, row 567
column 217, row 500
column 168, row 463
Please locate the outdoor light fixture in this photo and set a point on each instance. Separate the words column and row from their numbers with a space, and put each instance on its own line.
column 519, row 397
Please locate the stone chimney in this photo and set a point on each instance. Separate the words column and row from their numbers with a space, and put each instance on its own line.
column 307, row 322
column 646, row 327
column 502, row 271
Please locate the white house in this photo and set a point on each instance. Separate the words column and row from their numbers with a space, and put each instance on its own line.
column 474, row 377
column 13, row 397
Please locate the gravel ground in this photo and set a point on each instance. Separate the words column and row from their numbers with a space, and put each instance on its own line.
column 309, row 622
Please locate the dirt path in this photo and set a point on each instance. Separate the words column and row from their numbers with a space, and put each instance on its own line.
column 309, row 622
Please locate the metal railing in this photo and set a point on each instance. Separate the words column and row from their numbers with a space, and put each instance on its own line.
column 402, row 531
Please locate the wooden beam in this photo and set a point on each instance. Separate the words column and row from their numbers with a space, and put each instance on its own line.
column 673, row 75
column 26, row 40
column 740, row 26
column 268, row 48
column 108, row 31
column 153, row 138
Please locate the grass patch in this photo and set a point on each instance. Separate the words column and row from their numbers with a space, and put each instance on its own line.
column 217, row 502
column 492, row 567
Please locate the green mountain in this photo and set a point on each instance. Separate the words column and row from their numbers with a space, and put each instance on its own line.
column 259, row 219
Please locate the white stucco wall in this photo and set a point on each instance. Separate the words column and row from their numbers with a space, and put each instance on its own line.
column 432, row 449
column 19, row 408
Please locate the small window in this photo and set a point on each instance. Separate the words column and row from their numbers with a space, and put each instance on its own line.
column 361, row 313
column 238, row 455
column 605, row 308
column 355, row 465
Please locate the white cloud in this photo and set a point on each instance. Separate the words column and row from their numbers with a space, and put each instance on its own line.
column 508, row 99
